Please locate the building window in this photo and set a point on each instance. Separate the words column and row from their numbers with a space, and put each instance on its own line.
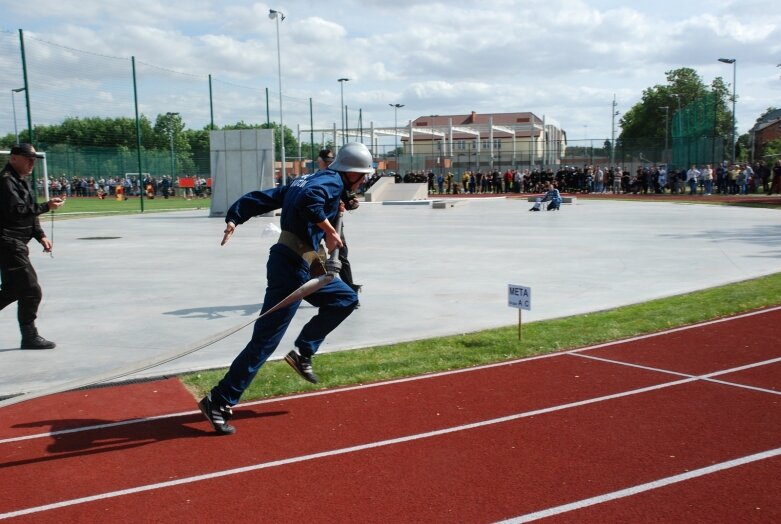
column 486, row 144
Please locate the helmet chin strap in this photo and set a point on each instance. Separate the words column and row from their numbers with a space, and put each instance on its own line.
column 348, row 184
column 347, row 196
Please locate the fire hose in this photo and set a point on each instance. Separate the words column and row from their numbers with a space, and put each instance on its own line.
column 306, row 289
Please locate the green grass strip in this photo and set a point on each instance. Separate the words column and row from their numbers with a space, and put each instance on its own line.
column 495, row 345
column 80, row 207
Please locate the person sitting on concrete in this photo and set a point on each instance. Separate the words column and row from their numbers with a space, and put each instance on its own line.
column 553, row 196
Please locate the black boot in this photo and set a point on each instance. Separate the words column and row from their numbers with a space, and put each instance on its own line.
column 32, row 340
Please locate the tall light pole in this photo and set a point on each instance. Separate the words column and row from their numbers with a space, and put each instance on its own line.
column 171, row 136
column 734, row 63
column 343, row 110
column 680, row 128
column 666, row 125
column 277, row 15
column 613, row 114
column 13, row 105
column 396, row 130
column 585, row 141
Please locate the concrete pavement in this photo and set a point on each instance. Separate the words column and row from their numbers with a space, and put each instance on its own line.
column 126, row 288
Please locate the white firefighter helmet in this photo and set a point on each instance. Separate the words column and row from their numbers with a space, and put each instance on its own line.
column 353, row 157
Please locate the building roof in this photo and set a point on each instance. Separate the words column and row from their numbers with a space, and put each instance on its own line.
column 768, row 119
column 499, row 119
column 521, row 121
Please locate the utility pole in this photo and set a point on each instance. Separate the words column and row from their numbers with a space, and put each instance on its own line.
column 613, row 114
column 734, row 63
column 666, row 126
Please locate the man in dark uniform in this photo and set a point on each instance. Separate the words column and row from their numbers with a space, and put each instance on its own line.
column 324, row 159
column 18, row 225
column 309, row 205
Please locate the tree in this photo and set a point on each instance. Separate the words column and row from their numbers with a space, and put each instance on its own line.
column 742, row 148
column 291, row 144
column 95, row 132
column 771, row 150
column 646, row 124
column 97, row 146
column 767, row 112
column 169, row 136
column 200, row 148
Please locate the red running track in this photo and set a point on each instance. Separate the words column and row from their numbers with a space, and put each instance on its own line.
column 681, row 426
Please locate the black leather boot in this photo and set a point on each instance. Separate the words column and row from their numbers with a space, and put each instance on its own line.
column 32, row 340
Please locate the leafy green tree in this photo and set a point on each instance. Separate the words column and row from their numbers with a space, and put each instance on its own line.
column 646, row 124
column 291, row 144
column 199, row 147
column 95, row 132
column 169, row 136
column 742, row 147
column 771, row 151
column 765, row 113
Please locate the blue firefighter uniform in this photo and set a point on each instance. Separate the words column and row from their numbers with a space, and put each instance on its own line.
column 305, row 202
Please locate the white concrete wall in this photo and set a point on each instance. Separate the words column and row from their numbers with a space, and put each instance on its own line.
column 241, row 161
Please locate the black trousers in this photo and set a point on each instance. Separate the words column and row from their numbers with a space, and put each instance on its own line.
column 346, row 273
column 19, row 280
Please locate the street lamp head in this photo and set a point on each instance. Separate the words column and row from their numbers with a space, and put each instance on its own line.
column 343, row 80
column 19, row 89
column 396, row 105
column 727, row 60
column 272, row 14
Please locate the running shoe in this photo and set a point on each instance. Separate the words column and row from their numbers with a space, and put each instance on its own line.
column 302, row 365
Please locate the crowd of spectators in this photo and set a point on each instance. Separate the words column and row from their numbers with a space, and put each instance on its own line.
column 165, row 187
column 725, row 179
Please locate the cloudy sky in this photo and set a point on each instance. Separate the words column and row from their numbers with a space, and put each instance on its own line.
column 564, row 59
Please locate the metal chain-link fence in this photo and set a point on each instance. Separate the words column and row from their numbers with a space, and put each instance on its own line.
column 81, row 109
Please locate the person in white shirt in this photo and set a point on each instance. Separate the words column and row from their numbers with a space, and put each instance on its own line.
column 691, row 178
column 707, row 180
column 662, row 179
column 599, row 180
column 750, row 179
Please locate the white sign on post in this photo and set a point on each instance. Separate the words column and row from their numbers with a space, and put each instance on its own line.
column 520, row 297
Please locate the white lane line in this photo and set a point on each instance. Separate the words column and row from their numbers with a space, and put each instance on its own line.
column 341, row 451
column 640, row 488
column 707, row 377
column 678, row 329
column 399, row 380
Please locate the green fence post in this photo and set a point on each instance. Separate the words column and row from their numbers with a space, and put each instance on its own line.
column 138, row 135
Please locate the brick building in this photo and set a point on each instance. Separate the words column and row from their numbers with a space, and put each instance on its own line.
column 767, row 129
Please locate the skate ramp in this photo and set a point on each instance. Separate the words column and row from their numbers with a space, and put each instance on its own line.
column 386, row 189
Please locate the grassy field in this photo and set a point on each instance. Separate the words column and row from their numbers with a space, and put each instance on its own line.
column 438, row 354
column 80, row 206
